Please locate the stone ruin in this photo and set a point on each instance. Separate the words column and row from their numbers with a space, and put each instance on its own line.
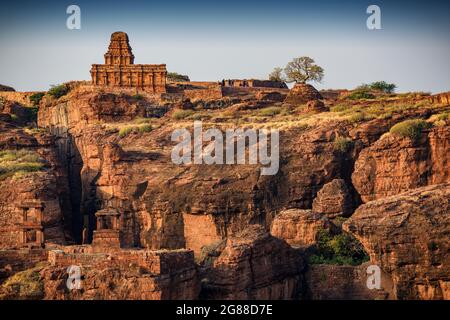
column 107, row 233
column 31, row 225
column 119, row 69
column 253, row 83
column 302, row 93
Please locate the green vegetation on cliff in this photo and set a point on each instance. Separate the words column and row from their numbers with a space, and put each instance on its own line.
column 142, row 128
column 411, row 129
column 176, row 77
column 36, row 98
column 342, row 144
column 58, row 91
column 340, row 249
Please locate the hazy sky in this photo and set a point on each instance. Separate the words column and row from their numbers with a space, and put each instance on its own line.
column 212, row 40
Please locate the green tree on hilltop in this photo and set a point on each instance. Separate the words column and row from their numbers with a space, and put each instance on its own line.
column 302, row 70
column 277, row 75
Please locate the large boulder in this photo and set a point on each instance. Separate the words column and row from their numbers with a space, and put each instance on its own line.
column 407, row 236
column 302, row 93
column 254, row 265
column 299, row 227
column 334, row 199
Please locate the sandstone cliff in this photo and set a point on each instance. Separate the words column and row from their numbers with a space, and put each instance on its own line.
column 111, row 149
column 393, row 164
column 407, row 236
column 30, row 170
column 254, row 265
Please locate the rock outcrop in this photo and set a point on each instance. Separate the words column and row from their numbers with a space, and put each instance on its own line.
column 334, row 200
column 302, row 93
column 393, row 164
column 204, row 207
column 270, row 96
column 333, row 282
column 125, row 274
column 298, row 227
column 315, row 106
column 22, row 181
column 135, row 173
column 442, row 98
column 407, row 236
column 254, row 265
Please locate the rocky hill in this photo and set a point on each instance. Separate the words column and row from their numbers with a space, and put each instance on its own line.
column 247, row 235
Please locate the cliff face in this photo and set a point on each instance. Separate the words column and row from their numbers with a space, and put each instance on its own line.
column 393, row 165
column 112, row 149
column 254, row 265
column 332, row 282
column 123, row 275
column 30, row 170
column 160, row 199
column 407, row 236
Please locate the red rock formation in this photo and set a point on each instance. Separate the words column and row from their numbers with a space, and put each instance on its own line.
column 254, row 83
column 161, row 204
column 254, row 265
column 154, row 195
column 315, row 106
column 393, row 164
column 334, row 199
column 48, row 186
column 270, row 96
column 14, row 109
column 441, row 98
column 332, row 282
column 299, row 227
column 407, row 236
column 124, row 274
column 302, row 93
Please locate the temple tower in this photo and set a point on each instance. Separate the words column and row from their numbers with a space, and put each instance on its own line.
column 119, row 50
column 32, row 223
column 107, row 233
column 119, row 70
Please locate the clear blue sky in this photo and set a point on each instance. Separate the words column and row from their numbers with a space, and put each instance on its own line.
column 212, row 40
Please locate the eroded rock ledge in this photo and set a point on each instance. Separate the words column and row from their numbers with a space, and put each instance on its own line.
column 407, row 236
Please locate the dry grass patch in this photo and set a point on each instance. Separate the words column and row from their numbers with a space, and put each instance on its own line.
column 24, row 285
column 17, row 162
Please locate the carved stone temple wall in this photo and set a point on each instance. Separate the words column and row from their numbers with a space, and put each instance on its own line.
column 119, row 69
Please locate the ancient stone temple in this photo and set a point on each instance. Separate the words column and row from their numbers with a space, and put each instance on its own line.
column 31, row 224
column 107, row 233
column 119, row 69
